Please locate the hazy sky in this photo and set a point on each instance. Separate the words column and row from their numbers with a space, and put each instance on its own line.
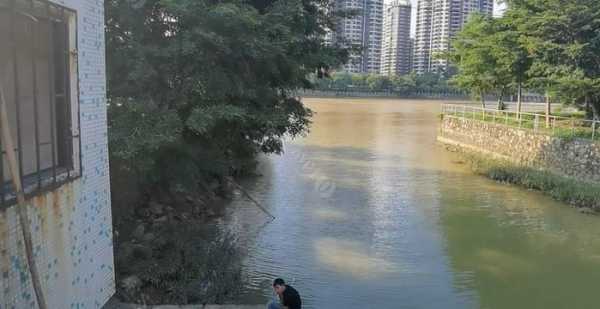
column 497, row 11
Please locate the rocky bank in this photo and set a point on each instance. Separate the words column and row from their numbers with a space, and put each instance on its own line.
column 169, row 250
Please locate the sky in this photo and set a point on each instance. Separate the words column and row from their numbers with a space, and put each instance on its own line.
column 498, row 8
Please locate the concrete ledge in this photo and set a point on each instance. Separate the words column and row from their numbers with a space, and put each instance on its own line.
column 114, row 304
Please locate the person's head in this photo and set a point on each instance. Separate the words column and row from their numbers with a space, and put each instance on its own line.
column 279, row 285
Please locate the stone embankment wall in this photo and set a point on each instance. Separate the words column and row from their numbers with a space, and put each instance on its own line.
column 575, row 158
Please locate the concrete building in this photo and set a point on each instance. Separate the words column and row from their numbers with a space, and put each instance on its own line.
column 52, row 77
column 396, row 42
column 438, row 21
column 411, row 54
column 362, row 31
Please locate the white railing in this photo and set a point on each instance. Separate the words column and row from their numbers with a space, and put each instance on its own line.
column 555, row 125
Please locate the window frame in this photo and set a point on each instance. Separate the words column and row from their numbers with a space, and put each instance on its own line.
column 42, row 181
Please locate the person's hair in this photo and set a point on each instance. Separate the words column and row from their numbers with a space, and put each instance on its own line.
column 278, row 281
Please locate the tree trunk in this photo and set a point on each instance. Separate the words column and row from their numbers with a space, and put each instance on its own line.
column 548, row 109
column 595, row 105
column 500, row 105
column 482, row 99
column 519, row 99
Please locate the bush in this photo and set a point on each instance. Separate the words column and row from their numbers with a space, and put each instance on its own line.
column 198, row 88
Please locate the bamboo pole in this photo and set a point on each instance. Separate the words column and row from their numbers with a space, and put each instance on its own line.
column 8, row 144
column 239, row 187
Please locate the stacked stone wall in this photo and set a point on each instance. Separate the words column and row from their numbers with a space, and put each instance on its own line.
column 575, row 158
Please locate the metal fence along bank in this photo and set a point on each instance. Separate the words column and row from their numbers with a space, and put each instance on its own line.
column 538, row 122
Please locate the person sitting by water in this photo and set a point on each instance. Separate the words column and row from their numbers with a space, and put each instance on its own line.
column 289, row 298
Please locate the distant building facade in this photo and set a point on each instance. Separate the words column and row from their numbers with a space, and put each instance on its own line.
column 396, row 41
column 411, row 53
column 363, row 31
column 438, row 21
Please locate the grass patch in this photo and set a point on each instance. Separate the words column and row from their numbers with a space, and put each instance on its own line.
column 576, row 193
column 566, row 114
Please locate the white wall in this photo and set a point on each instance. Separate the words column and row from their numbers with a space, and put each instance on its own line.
column 71, row 226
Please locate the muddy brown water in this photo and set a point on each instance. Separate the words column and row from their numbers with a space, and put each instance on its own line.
column 373, row 213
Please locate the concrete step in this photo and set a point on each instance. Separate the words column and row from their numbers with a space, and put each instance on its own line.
column 114, row 304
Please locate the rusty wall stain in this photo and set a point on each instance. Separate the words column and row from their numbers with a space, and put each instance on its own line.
column 52, row 211
column 55, row 209
column 39, row 203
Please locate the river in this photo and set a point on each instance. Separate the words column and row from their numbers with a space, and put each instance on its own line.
column 373, row 213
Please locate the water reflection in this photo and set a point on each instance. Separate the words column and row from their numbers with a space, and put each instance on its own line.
column 406, row 225
column 350, row 258
column 524, row 251
column 330, row 214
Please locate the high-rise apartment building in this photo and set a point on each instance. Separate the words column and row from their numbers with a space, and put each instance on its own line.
column 438, row 21
column 362, row 30
column 411, row 53
column 396, row 41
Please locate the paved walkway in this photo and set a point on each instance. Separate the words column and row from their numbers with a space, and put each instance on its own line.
column 113, row 304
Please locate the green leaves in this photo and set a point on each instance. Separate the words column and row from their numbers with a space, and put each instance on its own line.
column 198, row 87
column 204, row 119
column 489, row 57
column 405, row 84
column 137, row 128
column 562, row 39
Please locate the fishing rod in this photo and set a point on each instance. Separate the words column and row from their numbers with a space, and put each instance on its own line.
column 261, row 207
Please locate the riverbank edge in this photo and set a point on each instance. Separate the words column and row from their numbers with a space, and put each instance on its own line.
column 349, row 95
column 582, row 195
column 145, row 234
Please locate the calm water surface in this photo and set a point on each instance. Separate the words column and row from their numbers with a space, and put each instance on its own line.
column 372, row 213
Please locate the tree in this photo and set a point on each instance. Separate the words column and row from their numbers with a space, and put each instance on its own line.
column 341, row 80
column 377, row 82
column 481, row 53
column 359, row 80
column 404, row 83
column 428, row 82
column 197, row 88
column 563, row 39
column 511, row 56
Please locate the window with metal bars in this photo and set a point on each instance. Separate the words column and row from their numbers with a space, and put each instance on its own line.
column 38, row 79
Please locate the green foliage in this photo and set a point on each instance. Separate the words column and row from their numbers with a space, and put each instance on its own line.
column 137, row 128
column 552, row 46
column 205, row 118
column 563, row 38
column 198, row 88
column 410, row 84
column 376, row 81
column 489, row 57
